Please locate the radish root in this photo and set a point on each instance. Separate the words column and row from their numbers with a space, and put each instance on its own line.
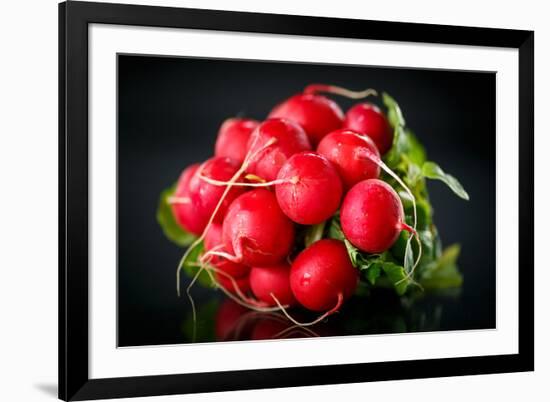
column 332, row 89
column 178, row 200
column 238, row 184
column 241, row 299
column 318, row 319
column 227, row 256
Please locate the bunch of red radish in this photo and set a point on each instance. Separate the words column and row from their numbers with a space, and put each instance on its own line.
column 267, row 179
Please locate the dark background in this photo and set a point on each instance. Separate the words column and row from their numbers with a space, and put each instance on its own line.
column 169, row 111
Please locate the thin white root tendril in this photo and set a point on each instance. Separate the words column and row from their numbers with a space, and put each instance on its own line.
column 318, row 319
column 386, row 169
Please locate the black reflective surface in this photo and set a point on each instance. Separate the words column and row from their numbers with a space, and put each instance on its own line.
column 221, row 319
column 169, row 113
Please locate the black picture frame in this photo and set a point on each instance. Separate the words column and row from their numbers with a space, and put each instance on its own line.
column 74, row 381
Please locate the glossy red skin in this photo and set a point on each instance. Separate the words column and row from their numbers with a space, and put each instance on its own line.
column 291, row 139
column 186, row 214
column 348, row 153
column 317, row 114
column 243, row 283
column 371, row 216
column 256, row 230
column 208, row 195
column 233, row 138
column 368, row 119
column 320, row 273
column 213, row 239
column 274, row 279
column 312, row 189
column 227, row 317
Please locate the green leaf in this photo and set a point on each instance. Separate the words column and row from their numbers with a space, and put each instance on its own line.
column 424, row 213
column 373, row 265
column 314, row 233
column 428, row 244
column 190, row 266
column 397, row 276
column 405, row 143
column 170, row 227
column 398, row 148
column 414, row 173
column 444, row 272
column 423, row 210
column 395, row 116
column 398, row 248
column 373, row 273
column 353, row 253
column 335, row 230
column 415, row 150
column 362, row 289
column 405, row 149
column 409, row 257
column 449, row 256
column 432, row 170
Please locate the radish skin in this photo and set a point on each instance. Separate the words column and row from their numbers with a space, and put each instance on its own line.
column 275, row 280
column 213, row 241
column 317, row 114
column 207, row 195
column 309, row 189
column 322, row 276
column 346, row 150
column 239, row 285
column 288, row 138
column 183, row 203
column 368, row 119
column 244, row 230
column 233, row 138
column 372, row 216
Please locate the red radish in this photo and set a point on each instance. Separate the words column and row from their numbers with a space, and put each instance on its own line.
column 225, row 281
column 372, row 216
column 207, row 194
column 228, row 186
column 317, row 114
column 288, row 137
column 368, row 119
column 256, row 231
column 213, row 241
column 275, row 280
column 227, row 317
column 322, row 277
column 350, row 155
column 309, row 189
column 233, row 137
column 184, row 203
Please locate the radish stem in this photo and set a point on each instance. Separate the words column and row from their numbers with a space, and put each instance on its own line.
column 332, row 89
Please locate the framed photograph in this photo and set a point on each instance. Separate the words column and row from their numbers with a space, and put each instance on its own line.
column 257, row 201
